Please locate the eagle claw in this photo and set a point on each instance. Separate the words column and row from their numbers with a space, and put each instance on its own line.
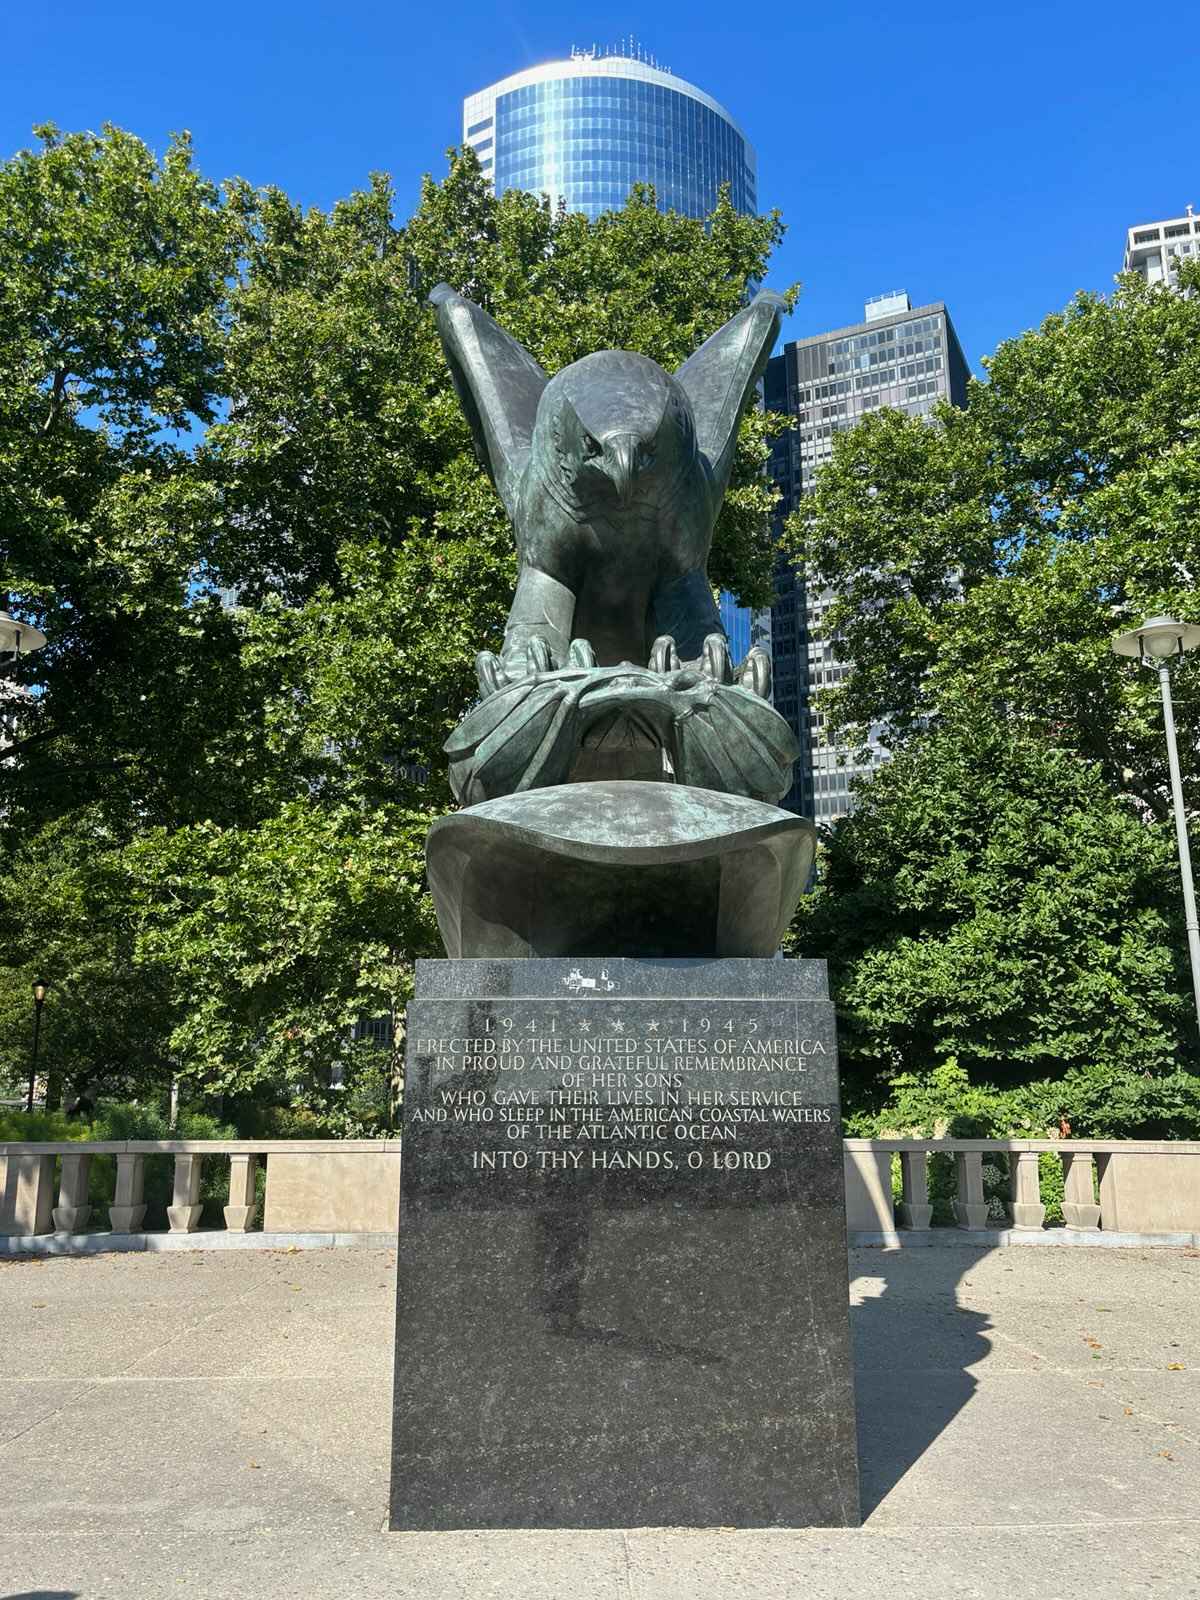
column 715, row 659
column 526, row 661
column 754, row 674
column 663, row 655
column 489, row 670
column 537, row 656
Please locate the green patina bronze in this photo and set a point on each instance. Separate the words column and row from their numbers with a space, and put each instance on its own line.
column 615, row 666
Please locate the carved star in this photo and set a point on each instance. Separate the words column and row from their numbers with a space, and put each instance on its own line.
column 618, row 1027
column 652, row 1027
column 585, row 1027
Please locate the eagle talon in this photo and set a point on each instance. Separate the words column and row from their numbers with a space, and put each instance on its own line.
column 537, row 654
column 664, row 657
column 716, row 659
column 490, row 672
column 581, row 654
column 754, row 674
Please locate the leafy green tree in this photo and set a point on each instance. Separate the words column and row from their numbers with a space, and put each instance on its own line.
column 983, row 564
column 113, row 281
column 113, row 276
column 1003, row 909
column 209, row 394
column 994, row 905
column 106, row 1018
column 279, row 938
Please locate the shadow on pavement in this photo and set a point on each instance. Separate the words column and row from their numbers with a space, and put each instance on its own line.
column 912, row 1347
column 43, row 1594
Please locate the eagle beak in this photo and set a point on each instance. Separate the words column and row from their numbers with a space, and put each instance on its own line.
column 620, row 453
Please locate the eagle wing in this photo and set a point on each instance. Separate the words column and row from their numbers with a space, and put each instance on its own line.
column 719, row 378
column 498, row 383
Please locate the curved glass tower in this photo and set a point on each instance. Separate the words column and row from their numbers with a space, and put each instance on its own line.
column 587, row 129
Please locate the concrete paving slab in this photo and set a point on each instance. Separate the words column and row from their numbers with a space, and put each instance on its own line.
column 931, row 1334
column 355, row 1333
column 1123, row 1562
column 1169, row 1399
column 42, row 1343
column 56, row 1327
column 1056, row 1451
column 240, row 1452
column 309, row 1563
column 936, row 1563
column 168, row 1457
column 216, row 1425
column 24, row 1405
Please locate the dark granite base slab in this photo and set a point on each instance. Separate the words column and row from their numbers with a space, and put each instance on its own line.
column 622, row 1289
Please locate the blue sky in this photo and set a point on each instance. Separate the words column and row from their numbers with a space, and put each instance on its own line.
column 988, row 156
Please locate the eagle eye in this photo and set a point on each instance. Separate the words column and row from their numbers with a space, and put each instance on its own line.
column 590, row 446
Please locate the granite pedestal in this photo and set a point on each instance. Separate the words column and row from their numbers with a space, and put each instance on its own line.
column 622, row 1290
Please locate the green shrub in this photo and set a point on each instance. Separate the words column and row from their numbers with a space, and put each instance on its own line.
column 40, row 1127
column 284, row 1122
column 133, row 1121
column 942, row 1104
column 357, row 1110
column 1086, row 1103
column 1051, row 1181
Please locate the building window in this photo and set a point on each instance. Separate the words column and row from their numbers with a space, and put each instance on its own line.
column 478, row 127
column 378, row 1030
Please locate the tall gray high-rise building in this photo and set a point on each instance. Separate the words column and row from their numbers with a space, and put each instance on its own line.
column 898, row 356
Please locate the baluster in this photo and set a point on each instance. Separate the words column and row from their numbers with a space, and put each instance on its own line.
column 128, row 1208
column 242, row 1200
column 72, row 1211
column 914, row 1210
column 1080, row 1209
column 970, row 1208
column 1024, row 1207
column 183, row 1213
column 28, row 1197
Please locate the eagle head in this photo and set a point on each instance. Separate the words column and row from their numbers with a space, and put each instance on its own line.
column 614, row 426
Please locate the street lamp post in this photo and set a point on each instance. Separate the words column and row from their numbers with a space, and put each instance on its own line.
column 39, row 1000
column 1155, row 644
column 17, row 639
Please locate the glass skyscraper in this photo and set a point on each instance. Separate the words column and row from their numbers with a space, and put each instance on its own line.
column 585, row 130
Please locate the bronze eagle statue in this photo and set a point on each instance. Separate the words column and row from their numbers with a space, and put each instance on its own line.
column 613, row 473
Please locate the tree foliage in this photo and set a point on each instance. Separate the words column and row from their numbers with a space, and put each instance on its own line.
column 238, row 495
column 993, row 903
column 1002, row 912
column 982, row 565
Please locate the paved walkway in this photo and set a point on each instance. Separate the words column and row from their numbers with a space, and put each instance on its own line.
column 216, row 1426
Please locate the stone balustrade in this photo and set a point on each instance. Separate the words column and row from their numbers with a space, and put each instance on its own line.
column 351, row 1187
column 1115, row 1186
column 329, row 1186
